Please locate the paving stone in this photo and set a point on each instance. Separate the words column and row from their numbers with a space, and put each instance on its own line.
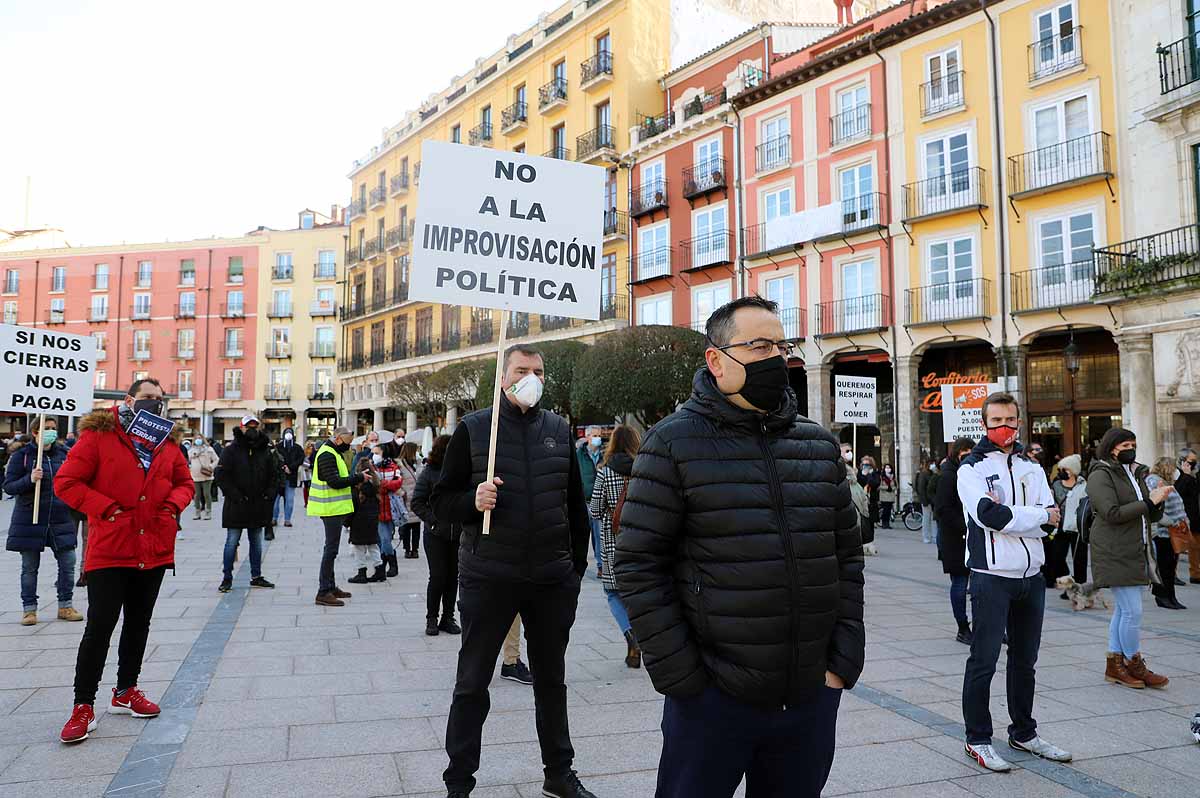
column 234, row 747
column 264, row 713
column 876, row 767
column 95, row 757
column 58, row 788
column 197, row 783
column 338, row 777
column 1138, row 776
column 367, row 737
column 1018, row 784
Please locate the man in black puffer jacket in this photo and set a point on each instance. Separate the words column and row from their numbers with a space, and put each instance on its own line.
column 530, row 563
column 249, row 474
column 740, row 562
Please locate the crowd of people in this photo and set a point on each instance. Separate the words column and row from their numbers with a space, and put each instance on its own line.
column 728, row 540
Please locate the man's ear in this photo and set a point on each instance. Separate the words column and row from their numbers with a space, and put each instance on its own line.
column 712, row 358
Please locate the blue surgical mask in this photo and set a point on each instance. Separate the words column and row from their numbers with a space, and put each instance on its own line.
column 49, row 436
column 596, row 441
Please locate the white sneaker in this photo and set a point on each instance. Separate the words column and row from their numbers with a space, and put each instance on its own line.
column 1196, row 726
column 1039, row 747
column 986, row 756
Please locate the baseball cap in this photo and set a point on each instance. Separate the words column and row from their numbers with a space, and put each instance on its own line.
column 247, row 419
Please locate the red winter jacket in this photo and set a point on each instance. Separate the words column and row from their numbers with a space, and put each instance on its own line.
column 103, row 474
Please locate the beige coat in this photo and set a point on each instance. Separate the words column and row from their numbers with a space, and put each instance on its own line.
column 200, row 457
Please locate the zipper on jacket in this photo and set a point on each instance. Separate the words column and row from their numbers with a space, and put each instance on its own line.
column 992, row 535
column 777, row 500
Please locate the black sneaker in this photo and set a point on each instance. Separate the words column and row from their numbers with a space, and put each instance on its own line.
column 517, row 672
column 225, row 586
column 260, row 581
column 431, row 627
column 450, row 626
column 566, row 786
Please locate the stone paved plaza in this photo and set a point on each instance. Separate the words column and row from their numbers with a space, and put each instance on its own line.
column 265, row 694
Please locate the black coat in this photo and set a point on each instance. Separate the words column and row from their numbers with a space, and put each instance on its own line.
column 1188, row 488
column 739, row 557
column 250, row 476
column 952, row 524
column 421, row 505
column 292, row 457
column 364, row 524
column 55, row 527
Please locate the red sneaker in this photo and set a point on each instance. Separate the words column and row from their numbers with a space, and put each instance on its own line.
column 82, row 722
column 135, row 703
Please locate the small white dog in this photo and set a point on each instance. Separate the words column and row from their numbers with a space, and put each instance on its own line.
column 869, row 549
column 1083, row 596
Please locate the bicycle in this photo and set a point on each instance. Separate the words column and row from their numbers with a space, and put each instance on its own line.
column 911, row 516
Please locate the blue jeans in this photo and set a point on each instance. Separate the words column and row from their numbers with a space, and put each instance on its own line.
column 997, row 603
column 385, row 539
column 928, row 525
column 232, row 538
column 1125, row 629
column 288, row 500
column 617, row 608
column 958, row 596
column 597, row 546
column 30, row 560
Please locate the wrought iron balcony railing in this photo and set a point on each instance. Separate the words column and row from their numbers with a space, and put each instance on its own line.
column 648, row 197
column 282, row 272
column 795, row 323
column 274, row 392
column 1163, row 261
column 1065, row 163
column 399, row 183
column 595, row 142
column 948, row 301
column 187, row 352
column 703, row 103
column 850, row 125
column 943, row 93
column 513, row 116
column 378, row 195
column 651, row 126
column 56, row 317
column 553, row 93
column 713, row 249
column 597, row 67
column 864, row 212
column 560, row 153
column 652, row 263
column 948, row 193
column 321, row 349
column 1178, row 64
column 356, row 208
column 279, row 310
column 1055, row 53
column 321, row 307
column 552, row 323
column 614, row 306
column 518, row 325
column 773, row 154
column 482, row 332
column 279, row 351
column 320, row 393
column 616, row 223
column 140, row 312
column 480, row 134
column 184, row 311
column 854, row 315
column 1053, row 286
column 703, row 177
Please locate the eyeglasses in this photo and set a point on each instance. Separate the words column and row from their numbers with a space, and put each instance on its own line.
column 761, row 347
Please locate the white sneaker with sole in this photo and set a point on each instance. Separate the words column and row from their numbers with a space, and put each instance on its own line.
column 985, row 755
column 1039, row 747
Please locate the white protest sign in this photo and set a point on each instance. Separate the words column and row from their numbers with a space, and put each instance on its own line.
column 854, row 400
column 507, row 230
column 962, row 409
column 46, row 372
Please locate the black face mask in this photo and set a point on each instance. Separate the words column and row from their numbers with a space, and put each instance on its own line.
column 154, row 406
column 766, row 382
column 1127, row 456
column 341, row 447
column 252, row 433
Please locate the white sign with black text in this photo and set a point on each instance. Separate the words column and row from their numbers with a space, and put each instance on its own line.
column 507, row 230
column 46, row 372
column 854, row 400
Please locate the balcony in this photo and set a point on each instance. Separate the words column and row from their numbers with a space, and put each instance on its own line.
column 399, row 293
column 183, row 352
column 279, row 351
column 851, row 125
column 101, row 354
column 184, row 392
column 1053, row 286
column 713, row 249
column 396, row 237
column 399, row 184
column 703, row 103
column 1056, row 166
column 139, row 354
column 378, row 356
column 480, row 135
column 552, row 95
column 773, row 154
column 229, row 392
column 56, row 317
column 401, row 350
column 321, row 349
column 953, row 192
column 596, row 143
column 378, row 196
column 355, row 361
column 1055, row 54
column 616, row 224
column 187, row 311
column 1155, row 264
column 513, row 117
column 279, row 310
column 322, row 307
column 1178, row 64
column 355, row 208
column 943, row 93
column 139, row 313
column 559, row 153
column 354, row 311
column 701, row 178
column 275, row 393
column 596, row 70
column 518, row 325
column 228, row 311
column 233, row 353
column 423, row 347
column 282, row 272
column 96, row 315
column 652, row 264
column 320, row 393
column 651, row 126
column 373, row 247
column 187, row 279
column 324, row 271
column 861, row 214
column 481, row 332
column 614, row 306
column 855, row 315
column 451, row 341
column 795, row 323
column 648, row 197
column 379, row 301
column 552, row 323
column 417, row 173
column 949, row 301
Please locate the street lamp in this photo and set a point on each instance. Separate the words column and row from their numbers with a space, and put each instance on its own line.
column 1071, row 354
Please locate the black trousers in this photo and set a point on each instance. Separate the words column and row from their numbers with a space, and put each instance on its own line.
column 1065, row 554
column 410, row 537
column 488, row 610
column 111, row 592
column 442, row 555
column 1167, row 562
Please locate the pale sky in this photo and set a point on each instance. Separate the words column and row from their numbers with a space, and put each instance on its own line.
column 144, row 120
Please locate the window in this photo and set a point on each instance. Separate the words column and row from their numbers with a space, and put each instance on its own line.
column 519, row 148
column 1056, row 47
column 775, row 149
column 380, row 232
column 485, row 119
column 325, row 300
column 323, row 342
column 100, row 381
column 278, row 383
column 144, row 269
column 944, row 87
column 558, row 141
column 10, row 312
column 323, row 380
column 782, row 291
column 141, row 306
column 1045, row 377
column 100, row 277
column 706, row 299
column 708, row 156
column 951, row 293
column 859, row 206
column 381, row 181
column 306, row 221
column 187, row 272
column 777, row 203
column 608, row 278
column 101, row 344
column 399, row 337
column 653, row 175
column 12, row 281
column 283, row 266
column 235, row 303
column 653, row 257
column 456, row 134
column 604, row 43
column 326, row 264
column 141, row 345
column 861, row 303
column 140, row 375
column 560, row 74
column 710, row 244
column 185, row 343
column 233, row 341
column 654, row 310
column 236, row 273
column 281, row 302
column 58, row 311
column 1063, row 150
column 1066, row 276
column 233, row 384
column 281, row 341
column 519, row 98
column 59, row 279
column 183, row 384
column 451, row 323
column 99, row 307
column 187, row 304
column 853, row 119
column 947, row 167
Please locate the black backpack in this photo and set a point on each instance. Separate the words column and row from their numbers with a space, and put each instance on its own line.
column 1084, row 517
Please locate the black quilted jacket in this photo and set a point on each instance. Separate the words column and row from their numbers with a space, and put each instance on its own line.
column 739, row 557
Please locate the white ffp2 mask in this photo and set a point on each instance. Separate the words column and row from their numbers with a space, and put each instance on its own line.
column 528, row 391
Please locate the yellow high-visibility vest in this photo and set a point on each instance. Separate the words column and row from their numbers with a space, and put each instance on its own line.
column 322, row 499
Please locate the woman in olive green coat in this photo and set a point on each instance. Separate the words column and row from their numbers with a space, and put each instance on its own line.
column 1124, row 508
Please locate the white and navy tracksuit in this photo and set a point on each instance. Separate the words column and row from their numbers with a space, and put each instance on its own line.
column 1005, row 554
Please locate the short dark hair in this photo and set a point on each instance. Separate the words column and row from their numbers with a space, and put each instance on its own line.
column 720, row 327
column 998, row 398
column 962, row 444
column 137, row 385
column 1113, row 438
column 529, row 350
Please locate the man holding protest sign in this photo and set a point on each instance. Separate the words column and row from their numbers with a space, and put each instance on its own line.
column 129, row 475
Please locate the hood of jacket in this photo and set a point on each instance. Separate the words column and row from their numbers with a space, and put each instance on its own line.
column 707, row 400
column 986, row 447
column 621, row 463
column 1139, row 470
column 100, row 420
column 240, row 439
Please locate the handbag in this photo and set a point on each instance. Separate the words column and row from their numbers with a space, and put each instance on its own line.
column 1151, row 565
column 205, row 471
column 1181, row 537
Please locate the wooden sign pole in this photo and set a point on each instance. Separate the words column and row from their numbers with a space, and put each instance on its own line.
column 491, row 464
column 37, row 486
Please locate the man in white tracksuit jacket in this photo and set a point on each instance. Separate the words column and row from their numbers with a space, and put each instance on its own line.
column 1009, row 508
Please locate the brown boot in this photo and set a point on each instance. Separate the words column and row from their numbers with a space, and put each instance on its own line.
column 633, row 655
column 1136, row 666
column 1116, row 671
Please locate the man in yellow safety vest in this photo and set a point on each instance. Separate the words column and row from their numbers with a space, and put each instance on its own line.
column 329, row 498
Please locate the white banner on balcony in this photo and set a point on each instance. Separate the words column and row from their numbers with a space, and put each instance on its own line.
column 46, row 372
column 509, row 231
column 854, row 400
column 802, row 226
column 962, row 409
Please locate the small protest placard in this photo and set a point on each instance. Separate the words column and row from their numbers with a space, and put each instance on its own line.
column 148, row 432
column 854, row 400
column 962, row 409
column 45, row 372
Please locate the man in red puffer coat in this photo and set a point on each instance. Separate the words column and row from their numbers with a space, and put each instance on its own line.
column 132, row 497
